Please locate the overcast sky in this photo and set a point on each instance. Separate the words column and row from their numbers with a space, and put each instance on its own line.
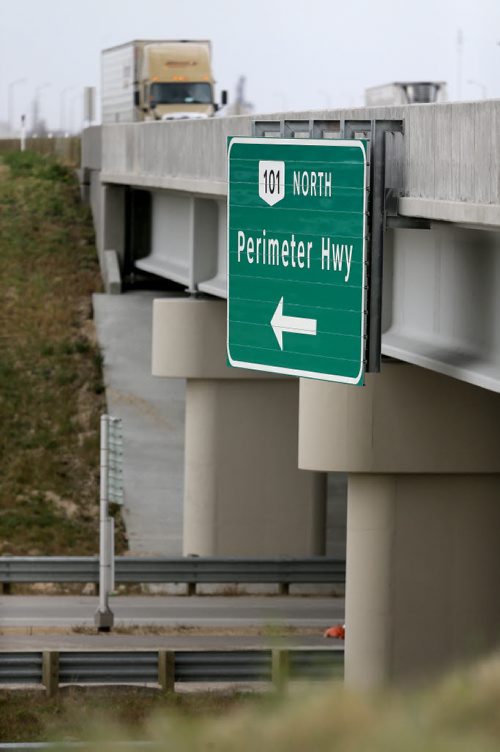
column 323, row 54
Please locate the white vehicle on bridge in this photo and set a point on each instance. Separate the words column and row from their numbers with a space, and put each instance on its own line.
column 406, row 92
column 157, row 80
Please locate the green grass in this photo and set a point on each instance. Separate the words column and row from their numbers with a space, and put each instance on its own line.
column 460, row 713
column 30, row 164
column 79, row 712
column 51, row 388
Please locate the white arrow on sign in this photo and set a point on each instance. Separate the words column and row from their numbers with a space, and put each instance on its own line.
column 295, row 324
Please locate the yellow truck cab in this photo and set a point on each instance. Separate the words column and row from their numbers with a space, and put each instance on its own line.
column 177, row 79
column 157, row 80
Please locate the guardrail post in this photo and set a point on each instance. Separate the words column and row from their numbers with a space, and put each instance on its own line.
column 191, row 588
column 284, row 588
column 280, row 668
column 50, row 671
column 5, row 588
column 166, row 670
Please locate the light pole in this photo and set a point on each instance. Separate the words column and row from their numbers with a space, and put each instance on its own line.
column 62, row 106
column 480, row 85
column 76, row 98
column 37, row 100
column 10, row 101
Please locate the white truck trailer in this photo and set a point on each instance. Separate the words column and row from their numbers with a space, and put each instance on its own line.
column 406, row 92
column 157, row 80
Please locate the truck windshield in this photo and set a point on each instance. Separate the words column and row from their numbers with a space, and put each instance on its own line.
column 185, row 93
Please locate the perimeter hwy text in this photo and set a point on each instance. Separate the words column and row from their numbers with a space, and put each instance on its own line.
column 268, row 251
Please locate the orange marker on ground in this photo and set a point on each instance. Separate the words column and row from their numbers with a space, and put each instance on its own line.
column 338, row 632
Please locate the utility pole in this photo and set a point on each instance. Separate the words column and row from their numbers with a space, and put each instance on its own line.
column 62, row 107
column 37, row 120
column 10, row 99
column 72, row 126
column 23, row 132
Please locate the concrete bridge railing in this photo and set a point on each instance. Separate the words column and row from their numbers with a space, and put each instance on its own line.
column 451, row 162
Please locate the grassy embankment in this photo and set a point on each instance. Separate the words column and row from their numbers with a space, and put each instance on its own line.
column 459, row 714
column 51, row 389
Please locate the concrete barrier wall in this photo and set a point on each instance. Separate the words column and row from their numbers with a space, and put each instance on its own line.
column 450, row 157
column 92, row 147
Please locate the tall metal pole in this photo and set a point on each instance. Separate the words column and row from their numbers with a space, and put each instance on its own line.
column 76, row 98
column 10, row 100
column 104, row 617
column 103, row 594
column 62, row 106
column 37, row 98
column 23, row 133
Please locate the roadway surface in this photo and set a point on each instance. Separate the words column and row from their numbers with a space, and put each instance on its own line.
column 152, row 410
column 142, row 622
column 172, row 611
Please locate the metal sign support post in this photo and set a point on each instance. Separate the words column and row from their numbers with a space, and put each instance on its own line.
column 110, row 490
column 104, row 616
column 23, row 133
column 377, row 130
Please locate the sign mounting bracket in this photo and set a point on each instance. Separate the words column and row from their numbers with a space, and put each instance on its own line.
column 385, row 141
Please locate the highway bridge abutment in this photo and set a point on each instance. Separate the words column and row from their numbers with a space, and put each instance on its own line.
column 423, row 521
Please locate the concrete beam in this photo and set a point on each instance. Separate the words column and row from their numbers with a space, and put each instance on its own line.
column 465, row 212
column 405, row 420
column 189, row 340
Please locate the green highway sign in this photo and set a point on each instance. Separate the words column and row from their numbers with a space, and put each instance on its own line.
column 297, row 257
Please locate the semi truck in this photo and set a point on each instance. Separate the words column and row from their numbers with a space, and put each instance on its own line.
column 157, row 80
column 406, row 92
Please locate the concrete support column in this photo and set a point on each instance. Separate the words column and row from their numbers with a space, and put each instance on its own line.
column 244, row 494
column 423, row 527
column 370, row 536
column 423, row 561
column 112, row 236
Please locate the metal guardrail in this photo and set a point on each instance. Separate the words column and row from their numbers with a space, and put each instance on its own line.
column 231, row 666
column 191, row 570
column 22, row 668
column 167, row 667
column 127, row 667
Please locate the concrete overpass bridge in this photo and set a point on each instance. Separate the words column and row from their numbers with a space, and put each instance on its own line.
column 420, row 442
